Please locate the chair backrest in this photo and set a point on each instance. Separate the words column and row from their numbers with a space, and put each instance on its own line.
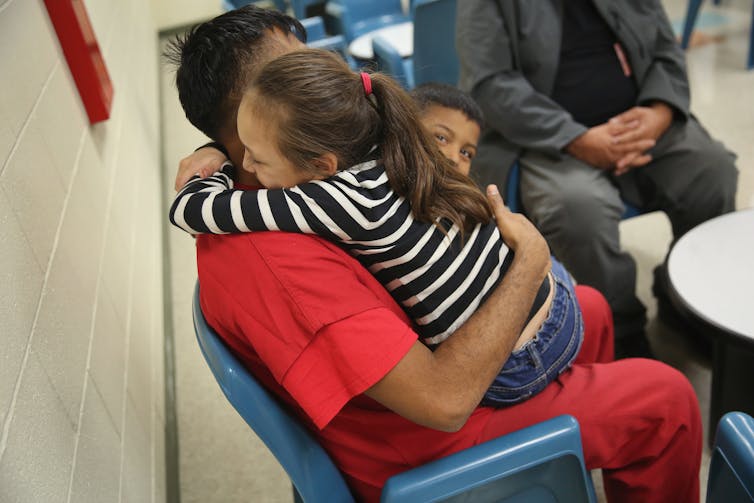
column 300, row 6
column 435, row 58
column 542, row 463
column 317, row 38
column 390, row 62
column 357, row 17
column 235, row 4
column 731, row 471
column 312, row 472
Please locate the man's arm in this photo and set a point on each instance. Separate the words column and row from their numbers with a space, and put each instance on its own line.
column 441, row 389
column 666, row 80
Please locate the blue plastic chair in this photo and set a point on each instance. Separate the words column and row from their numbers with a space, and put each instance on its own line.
column 434, row 58
column 299, row 6
column 235, row 4
column 317, row 37
column 541, row 463
column 390, row 62
column 353, row 18
column 731, row 471
column 512, row 195
column 692, row 12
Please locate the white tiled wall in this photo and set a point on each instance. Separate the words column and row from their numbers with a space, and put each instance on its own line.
column 81, row 310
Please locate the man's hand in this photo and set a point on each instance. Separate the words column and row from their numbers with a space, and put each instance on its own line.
column 203, row 162
column 597, row 147
column 518, row 232
column 635, row 124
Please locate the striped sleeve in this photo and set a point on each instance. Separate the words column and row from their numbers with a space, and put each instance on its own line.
column 212, row 206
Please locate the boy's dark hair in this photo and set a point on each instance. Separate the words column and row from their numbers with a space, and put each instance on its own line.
column 214, row 60
column 435, row 93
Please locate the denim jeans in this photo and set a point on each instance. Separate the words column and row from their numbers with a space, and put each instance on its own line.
column 551, row 351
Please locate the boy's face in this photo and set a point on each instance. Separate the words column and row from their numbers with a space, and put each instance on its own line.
column 456, row 135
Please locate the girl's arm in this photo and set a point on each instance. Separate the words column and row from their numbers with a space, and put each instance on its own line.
column 211, row 206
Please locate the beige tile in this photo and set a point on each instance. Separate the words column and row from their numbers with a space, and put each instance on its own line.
column 35, row 192
column 137, row 462
column 36, row 464
column 96, row 475
column 139, row 354
column 7, row 138
column 22, row 280
column 28, row 50
column 61, row 121
column 61, row 337
column 116, row 270
column 108, row 359
column 83, row 226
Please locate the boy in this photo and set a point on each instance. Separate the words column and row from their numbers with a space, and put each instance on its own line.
column 453, row 118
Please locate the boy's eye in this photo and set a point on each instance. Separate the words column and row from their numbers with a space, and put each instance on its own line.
column 441, row 138
column 467, row 154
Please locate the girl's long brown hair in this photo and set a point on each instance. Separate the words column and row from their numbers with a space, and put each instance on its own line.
column 320, row 106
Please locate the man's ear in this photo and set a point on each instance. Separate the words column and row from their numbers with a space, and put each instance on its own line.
column 326, row 165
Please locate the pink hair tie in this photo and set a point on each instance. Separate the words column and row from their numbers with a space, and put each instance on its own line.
column 366, row 81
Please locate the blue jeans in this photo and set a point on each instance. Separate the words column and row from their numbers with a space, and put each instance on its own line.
column 551, row 351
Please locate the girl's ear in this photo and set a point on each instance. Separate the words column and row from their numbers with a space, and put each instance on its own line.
column 326, row 165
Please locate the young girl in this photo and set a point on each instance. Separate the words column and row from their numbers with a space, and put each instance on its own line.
column 343, row 155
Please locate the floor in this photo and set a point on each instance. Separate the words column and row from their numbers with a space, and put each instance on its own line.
column 222, row 461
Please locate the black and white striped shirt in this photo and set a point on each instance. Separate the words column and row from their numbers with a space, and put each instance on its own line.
column 438, row 278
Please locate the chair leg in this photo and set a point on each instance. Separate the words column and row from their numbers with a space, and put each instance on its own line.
column 688, row 26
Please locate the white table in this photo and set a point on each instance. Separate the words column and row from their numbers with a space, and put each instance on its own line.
column 711, row 272
column 400, row 35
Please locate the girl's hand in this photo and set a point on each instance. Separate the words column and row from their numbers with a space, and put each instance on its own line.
column 203, row 162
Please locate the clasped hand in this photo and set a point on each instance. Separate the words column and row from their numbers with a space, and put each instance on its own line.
column 623, row 142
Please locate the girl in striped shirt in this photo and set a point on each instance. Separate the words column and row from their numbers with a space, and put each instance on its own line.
column 344, row 156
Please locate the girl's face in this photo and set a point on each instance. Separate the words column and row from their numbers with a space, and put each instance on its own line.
column 456, row 134
column 261, row 156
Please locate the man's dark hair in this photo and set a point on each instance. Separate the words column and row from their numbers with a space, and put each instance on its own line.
column 435, row 93
column 214, row 60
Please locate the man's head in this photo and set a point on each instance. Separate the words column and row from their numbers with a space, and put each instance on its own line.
column 453, row 118
column 216, row 60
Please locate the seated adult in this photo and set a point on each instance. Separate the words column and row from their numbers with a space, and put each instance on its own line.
column 319, row 331
column 592, row 97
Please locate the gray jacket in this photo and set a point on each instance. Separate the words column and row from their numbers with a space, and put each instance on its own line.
column 512, row 76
